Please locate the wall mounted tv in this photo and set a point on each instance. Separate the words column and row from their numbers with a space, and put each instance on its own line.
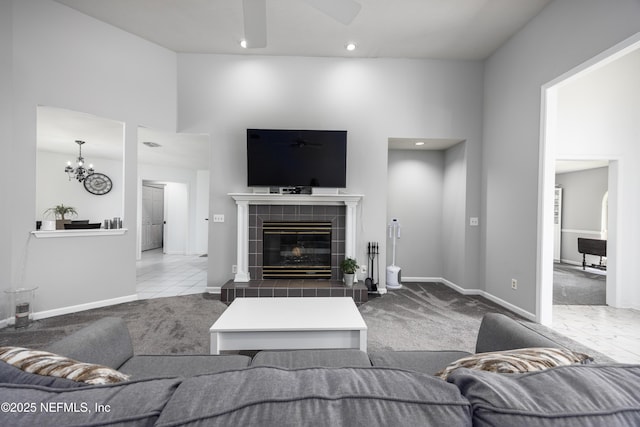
column 296, row 158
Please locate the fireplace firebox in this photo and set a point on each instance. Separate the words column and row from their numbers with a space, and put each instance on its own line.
column 296, row 249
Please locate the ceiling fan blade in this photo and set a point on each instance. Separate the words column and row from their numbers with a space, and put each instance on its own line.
column 343, row 11
column 255, row 23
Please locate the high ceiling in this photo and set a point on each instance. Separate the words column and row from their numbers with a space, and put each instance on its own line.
column 443, row 29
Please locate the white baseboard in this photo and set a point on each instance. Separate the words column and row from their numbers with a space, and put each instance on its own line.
column 571, row 262
column 479, row 292
column 82, row 307
column 213, row 289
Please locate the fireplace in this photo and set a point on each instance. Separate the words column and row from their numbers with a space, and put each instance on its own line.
column 296, row 242
column 296, row 249
column 259, row 210
column 254, row 209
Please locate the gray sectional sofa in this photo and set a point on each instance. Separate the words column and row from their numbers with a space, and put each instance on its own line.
column 323, row 387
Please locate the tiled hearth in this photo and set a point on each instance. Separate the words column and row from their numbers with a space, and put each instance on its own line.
column 292, row 288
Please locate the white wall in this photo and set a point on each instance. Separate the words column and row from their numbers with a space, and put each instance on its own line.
column 54, row 188
column 201, row 220
column 65, row 59
column 176, row 202
column 598, row 118
column 373, row 99
column 459, row 243
column 562, row 36
column 415, row 197
column 184, row 238
column 6, row 134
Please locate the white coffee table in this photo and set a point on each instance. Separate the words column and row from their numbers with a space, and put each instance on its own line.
column 289, row 323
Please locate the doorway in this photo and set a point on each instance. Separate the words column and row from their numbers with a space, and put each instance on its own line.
column 152, row 216
column 586, row 114
column 176, row 165
column 580, row 235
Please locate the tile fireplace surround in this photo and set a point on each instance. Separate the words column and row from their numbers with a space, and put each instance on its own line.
column 253, row 208
column 256, row 208
column 260, row 214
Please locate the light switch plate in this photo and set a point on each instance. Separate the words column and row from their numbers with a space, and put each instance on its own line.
column 218, row 218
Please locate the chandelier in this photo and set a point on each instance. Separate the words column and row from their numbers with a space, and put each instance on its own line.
column 80, row 172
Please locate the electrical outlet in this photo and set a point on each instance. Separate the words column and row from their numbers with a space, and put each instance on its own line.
column 234, row 269
column 474, row 221
column 514, row 284
column 363, row 269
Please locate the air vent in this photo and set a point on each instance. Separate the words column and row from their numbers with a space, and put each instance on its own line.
column 152, row 144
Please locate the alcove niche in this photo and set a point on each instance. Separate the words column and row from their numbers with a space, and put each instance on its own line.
column 58, row 130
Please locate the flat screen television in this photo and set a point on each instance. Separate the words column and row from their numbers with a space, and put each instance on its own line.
column 296, row 158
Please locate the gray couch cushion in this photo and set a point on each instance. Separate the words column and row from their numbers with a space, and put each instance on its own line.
column 267, row 396
column 149, row 366
column 312, row 358
column 129, row 404
column 104, row 342
column 498, row 332
column 427, row 362
column 577, row 395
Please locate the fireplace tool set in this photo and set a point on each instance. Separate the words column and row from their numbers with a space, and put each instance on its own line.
column 372, row 255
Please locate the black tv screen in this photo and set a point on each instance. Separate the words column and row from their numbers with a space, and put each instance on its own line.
column 296, row 158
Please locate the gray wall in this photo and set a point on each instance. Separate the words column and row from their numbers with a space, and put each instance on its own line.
column 459, row 241
column 427, row 191
column 373, row 99
column 415, row 196
column 61, row 58
column 6, row 134
column 581, row 209
column 561, row 37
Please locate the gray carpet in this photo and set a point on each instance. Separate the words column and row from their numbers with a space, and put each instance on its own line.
column 420, row 316
column 574, row 286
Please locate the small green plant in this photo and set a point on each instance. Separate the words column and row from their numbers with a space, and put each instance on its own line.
column 349, row 266
column 61, row 210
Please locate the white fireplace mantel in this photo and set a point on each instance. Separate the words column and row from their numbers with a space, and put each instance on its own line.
column 243, row 200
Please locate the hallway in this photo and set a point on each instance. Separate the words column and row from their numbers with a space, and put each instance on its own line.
column 159, row 275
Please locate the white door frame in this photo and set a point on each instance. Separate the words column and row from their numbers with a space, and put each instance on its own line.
column 546, row 184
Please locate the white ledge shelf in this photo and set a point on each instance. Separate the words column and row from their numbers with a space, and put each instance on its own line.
column 47, row 234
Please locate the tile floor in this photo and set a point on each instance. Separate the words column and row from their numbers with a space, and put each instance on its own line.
column 160, row 275
column 611, row 331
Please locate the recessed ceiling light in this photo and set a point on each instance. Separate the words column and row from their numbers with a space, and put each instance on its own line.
column 419, row 143
column 243, row 44
column 350, row 46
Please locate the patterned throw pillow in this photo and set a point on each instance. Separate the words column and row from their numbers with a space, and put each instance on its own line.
column 49, row 364
column 517, row 361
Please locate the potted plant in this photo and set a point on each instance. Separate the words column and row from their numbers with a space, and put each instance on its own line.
column 349, row 266
column 60, row 211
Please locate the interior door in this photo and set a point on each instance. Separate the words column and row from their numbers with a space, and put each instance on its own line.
column 152, row 217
